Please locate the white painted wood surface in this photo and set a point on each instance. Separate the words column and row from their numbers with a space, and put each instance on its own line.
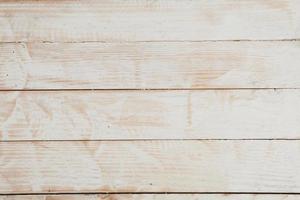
column 219, row 59
column 150, row 65
column 153, row 197
column 204, row 114
column 117, row 20
column 150, row 166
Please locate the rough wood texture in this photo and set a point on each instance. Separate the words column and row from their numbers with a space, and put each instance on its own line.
column 96, row 20
column 150, row 166
column 150, row 65
column 53, row 52
column 218, row 114
column 153, row 197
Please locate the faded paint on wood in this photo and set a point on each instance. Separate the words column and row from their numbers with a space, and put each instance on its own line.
column 150, row 166
column 144, row 44
column 94, row 20
column 205, row 114
column 150, row 65
column 153, row 197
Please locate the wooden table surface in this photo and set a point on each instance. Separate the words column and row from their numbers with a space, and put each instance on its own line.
column 149, row 99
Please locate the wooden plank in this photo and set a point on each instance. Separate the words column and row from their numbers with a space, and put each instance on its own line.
column 150, row 65
column 205, row 114
column 153, row 197
column 150, row 166
column 95, row 20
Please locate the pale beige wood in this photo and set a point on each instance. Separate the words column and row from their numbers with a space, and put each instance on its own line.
column 204, row 114
column 96, row 20
column 154, row 197
column 150, row 166
column 150, row 65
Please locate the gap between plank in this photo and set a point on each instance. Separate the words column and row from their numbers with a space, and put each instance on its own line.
column 143, row 89
column 152, row 41
column 128, row 140
column 95, row 193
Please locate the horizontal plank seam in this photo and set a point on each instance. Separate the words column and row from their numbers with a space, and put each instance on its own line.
column 150, row 41
column 128, row 140
column 145, row 89
column 93, row 193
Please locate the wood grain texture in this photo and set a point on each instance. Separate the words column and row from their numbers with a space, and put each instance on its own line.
column 206, row 114
column 150, row 166
column 172, row 138
column 117, row 20
column 150, row 65
column 153, row 197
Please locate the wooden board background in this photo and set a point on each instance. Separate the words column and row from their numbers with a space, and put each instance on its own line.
column 150, row 166
column 142, row 20
column 150, row 65
column 123, row 115
column 145, row 99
